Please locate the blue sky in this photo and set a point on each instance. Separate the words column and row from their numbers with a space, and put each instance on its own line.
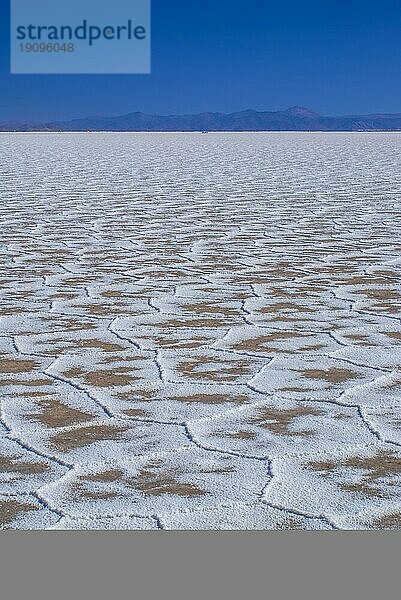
column 333, row 56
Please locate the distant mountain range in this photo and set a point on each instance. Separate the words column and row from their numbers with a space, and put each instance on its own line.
column 296, row 118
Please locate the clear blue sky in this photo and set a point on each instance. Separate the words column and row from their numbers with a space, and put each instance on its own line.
column 333, row 56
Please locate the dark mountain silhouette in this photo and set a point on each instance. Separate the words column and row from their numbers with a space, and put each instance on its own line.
column 296, row 118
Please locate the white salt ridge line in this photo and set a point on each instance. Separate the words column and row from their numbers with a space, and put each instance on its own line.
column 105, row 523
column 213, row 518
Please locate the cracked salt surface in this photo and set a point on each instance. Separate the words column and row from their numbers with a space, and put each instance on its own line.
column 205, row 341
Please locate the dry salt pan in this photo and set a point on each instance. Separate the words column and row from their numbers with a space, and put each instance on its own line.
column 209, row 352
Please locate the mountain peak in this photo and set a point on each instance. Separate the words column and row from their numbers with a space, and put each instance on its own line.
column 296, row 118
column 301, row 111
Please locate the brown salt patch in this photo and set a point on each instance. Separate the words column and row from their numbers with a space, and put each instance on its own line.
column 13, row 464
column 109, row 476
column 383, row 307
column 279, row 293
column 356, row 337
column 63, row 296
column 32, row 394
column 74, row 372
column 391, row 521
column 240, row 435
column 394, row 385
column 78, row 280
column 96, row 495
column 394, row 335
column 287, row 320
column 290, row 523
column 388, row 274
column 69, row 324
column 268, row 279
column 112, row 294
column 56, row 414
column 309, row 347
column 6, row 312
column 383, row 464
column 283, row 273
column 194, row 342
column 337, row 269
column 136, row 412
column 21, row 294
column 184, row 345
column 103, row 378
column 152, row 480
column 217, row 470
column 105, row 270
column 109, row 378
column 206, row 268
column 168, row 274
column 99, row 344
column 194, row 323
column 258, row 344
column 211, row 399
column 295, row 389
column 92, row 253
column 291, row 306
column 120, row 358
column 341, row 417
column 361, row 281
column 205, row 288
column 283, row 263
column 26, row 383
column 10, row 510
column 17, row 366
column 205, row 308
column 380, row 294
column 228, row 370
column 105, row 476
column 333, row 375
column 115, row 309
column 133, row 394
column 64, row 441
column 279, row 420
